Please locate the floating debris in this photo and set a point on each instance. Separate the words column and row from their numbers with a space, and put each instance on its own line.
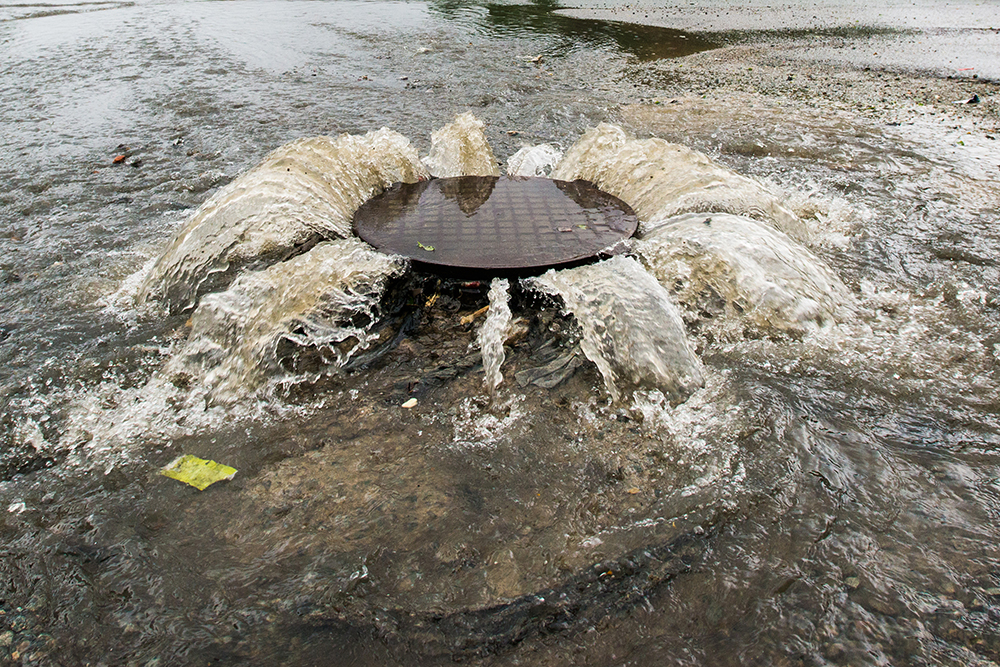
column 199, row 473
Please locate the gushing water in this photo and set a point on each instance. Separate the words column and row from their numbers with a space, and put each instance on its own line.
column 494, row 331
column 758, row 275
column 632, row 330
column 461, row 149
column 827, row 496
column 537, row 161
column 303, row 192
column 659, row 179
column 324, row 303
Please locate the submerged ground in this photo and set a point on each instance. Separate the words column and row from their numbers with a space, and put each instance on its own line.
column 829, row 497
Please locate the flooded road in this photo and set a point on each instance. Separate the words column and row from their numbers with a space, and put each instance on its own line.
column 765, row 434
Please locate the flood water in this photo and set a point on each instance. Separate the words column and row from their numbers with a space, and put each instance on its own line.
column 767, row 434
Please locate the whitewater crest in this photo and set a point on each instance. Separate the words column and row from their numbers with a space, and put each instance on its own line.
column 324, row 302
column 659, row 179
column 751, row 272
column 302, row 193
column 460, row 148
column 534, row 161
column 494, row 331
column 287, row 294
column 632, row 331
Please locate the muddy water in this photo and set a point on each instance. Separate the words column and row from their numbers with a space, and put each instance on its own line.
column 827, row 494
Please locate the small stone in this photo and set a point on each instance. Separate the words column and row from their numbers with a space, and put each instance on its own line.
column 835, row 651
column 6, row 638
column 852, row 582
column 412, row 403
column 992, row 591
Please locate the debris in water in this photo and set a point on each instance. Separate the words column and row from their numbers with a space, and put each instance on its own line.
column 553, row 373
column 470, row 318
column 199, row 473
column 119, row 159
column 428, row 248
column 412, row 403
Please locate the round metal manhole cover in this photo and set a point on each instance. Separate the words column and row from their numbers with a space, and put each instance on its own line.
column 499, row 223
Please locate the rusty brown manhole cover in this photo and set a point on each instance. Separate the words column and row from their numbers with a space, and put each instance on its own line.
column 486, row 222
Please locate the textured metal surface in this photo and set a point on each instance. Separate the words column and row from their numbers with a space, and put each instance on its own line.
column 485, row 222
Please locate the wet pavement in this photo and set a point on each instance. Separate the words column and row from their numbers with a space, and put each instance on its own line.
column 827, row 494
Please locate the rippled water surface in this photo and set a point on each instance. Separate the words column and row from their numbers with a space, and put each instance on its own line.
column 820, row 486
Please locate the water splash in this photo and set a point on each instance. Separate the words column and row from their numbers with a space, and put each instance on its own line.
column 632, row 330
column 659, row 179
column 493, row 332
column 243, row 342
column 325, row 300
column 301, row 193
column 478, row 425
column 754, row 273
column 461, row 149
column 540, row 160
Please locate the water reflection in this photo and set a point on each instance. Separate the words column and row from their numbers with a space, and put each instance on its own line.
column 490, row 222
column 540, row 18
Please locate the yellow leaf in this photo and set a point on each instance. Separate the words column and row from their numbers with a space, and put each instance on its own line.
column 199, row 473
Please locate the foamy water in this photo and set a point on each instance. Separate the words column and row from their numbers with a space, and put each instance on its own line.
column 632, row 330
column 800, row 463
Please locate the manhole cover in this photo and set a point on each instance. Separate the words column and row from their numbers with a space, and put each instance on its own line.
column 486, row 222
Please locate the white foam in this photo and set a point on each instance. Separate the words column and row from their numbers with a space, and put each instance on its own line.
column 325, row 299
column 765, row 279
column 493, row 332
column 632, row 330
column 461, row 149
column 540, row 161
column 304, row 191
column 660, row 179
